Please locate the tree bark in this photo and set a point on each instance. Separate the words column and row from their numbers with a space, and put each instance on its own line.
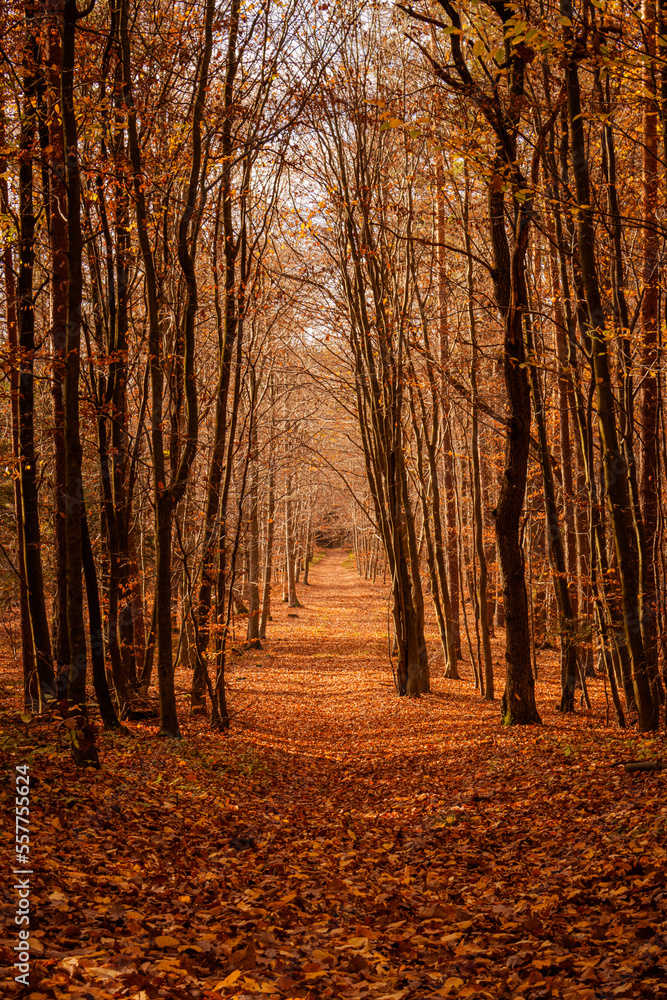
column 57, row 226
column 270, row 521
column 100, row 683
column 292, row 599
column 229, row 332
column 478, row 519
column 556, row 550
column 518, row 701
column 253, row 525
column 76, row 681
column 31, row 697
column 27, row 349
column 447, row 449
column 648, row 470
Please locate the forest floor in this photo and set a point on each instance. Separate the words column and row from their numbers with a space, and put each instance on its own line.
column 340, row 841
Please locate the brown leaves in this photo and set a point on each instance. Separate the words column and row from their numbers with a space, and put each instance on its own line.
column 244, row 957
column 439, row 911
column 165, row 941
column 350, row 845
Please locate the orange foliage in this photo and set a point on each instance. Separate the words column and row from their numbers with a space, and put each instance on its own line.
column 343, row 842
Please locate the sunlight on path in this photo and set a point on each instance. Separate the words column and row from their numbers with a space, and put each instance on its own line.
column 323, row 685
column 325, row 663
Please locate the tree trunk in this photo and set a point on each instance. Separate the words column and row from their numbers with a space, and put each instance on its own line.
column 26, row 343
column 478, row 518
column 308, row 552
column 417, row 593
column 565, row 401
column 253, row 526
column 31, row 698
column 76, row 681
column 478, row 531
column 268, row 564
column 270, row 523
column 165, row 663
column 292, row 599
column 447, row 449
column 229, row 335
column 556, row 550
column 57, row 226
column 137, row 605
column 648, row 477
column 518, row 702
column 100, row 683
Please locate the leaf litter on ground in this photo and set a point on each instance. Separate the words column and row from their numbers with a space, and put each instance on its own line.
column 341, row 842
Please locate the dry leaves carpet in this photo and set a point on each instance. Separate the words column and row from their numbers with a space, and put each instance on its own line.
column 342, row 842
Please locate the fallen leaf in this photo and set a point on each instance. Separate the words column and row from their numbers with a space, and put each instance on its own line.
column 165, row 941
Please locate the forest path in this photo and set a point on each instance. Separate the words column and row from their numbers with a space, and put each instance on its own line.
column 341, row 842
column 325, row 688
column 328, row 677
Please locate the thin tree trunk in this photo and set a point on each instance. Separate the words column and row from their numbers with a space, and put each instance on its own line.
column 100, row 684
column 137, row 606
column 447, row 449
column 648, row 477
column 518, row 702
column 478, row 529
column 308, row 552
column 57, row 226
column 478, row 520
column 268, row 556
column 27, row 349
column 270, row 520
column 149, row 652
column 430, row 557
column 31, row 697
column 292, row 599
column 253, row 524
column 76, row 681
column 556, row 550
column 229, row 334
